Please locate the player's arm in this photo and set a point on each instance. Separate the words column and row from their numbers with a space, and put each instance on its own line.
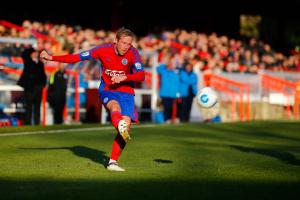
column 69, row 58
column 138, row 74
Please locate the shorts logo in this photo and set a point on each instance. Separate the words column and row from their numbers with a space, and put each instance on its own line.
column 85, row 54
column 124, row 61
column 105, row 100
column 138, row 65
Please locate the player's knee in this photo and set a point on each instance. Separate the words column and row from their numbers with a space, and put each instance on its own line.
column 113, row 106
column 128, row 122
column 116, row 108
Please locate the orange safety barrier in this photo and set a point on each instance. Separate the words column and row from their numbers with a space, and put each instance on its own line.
column 283, row 86
column 233, row 88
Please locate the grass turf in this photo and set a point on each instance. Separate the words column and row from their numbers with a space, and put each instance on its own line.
column 256, row 160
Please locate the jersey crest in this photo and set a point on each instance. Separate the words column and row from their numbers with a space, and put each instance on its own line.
column 124, row 61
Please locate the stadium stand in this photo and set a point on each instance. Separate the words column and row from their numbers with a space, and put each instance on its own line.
column 209, row 53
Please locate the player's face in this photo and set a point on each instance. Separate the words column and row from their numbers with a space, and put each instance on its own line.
column 123, row 44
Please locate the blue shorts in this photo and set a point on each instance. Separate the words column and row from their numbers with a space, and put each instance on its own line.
column 125, row 100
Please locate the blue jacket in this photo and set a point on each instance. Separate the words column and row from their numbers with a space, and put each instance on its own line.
column 186, row 80
column 169, row 81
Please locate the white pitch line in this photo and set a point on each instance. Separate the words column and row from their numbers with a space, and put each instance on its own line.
column 70, row 130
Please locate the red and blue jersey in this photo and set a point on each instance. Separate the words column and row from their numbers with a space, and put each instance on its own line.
column 129, row 64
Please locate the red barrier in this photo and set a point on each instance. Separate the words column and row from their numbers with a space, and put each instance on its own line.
column 287, row 88
column 5, row 122
column 75, row 74
column 225, row 85
column 12, row 71
column 44, row 101
column 148, row 80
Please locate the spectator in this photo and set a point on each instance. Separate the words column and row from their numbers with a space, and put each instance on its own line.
column 33, row 79
column 57, row 93
column 188, row 90
column 169, row 87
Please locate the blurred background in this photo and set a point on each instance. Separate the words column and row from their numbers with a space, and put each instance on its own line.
column 248, row 51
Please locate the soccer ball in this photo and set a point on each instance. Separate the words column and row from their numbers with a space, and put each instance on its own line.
column 207, row 97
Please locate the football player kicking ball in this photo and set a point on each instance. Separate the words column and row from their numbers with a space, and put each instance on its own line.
column 121, row 65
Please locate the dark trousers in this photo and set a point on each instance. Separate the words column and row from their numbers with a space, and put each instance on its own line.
column 33, row 98
column 58, row 108
column 168, row 107
column 185, row 108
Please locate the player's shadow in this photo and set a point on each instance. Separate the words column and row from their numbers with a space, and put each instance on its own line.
column 280, row 155
column 94, row 155
column 162, row 161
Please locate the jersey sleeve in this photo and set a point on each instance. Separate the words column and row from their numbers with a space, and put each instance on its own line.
column 137, row 61
column 89, row 54
column 137, row 68
column 73, row 58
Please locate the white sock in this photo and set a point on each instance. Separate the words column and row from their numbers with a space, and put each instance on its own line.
column 111, row 161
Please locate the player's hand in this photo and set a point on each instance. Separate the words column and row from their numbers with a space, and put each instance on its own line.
column 118, row 79
column 45, row 56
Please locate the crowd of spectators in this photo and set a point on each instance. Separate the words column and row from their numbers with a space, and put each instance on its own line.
column 219, row 53
column 207, row 52
column 176, row 50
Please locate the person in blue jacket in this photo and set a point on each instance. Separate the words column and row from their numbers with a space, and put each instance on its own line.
column 169, row 87
column 188, row 90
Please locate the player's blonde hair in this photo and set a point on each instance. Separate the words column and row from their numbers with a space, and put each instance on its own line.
column 124, row 32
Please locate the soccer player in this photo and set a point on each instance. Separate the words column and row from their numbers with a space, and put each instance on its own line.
column 121, row 65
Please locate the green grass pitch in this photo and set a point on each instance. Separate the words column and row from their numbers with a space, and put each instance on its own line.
column 255, row 160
